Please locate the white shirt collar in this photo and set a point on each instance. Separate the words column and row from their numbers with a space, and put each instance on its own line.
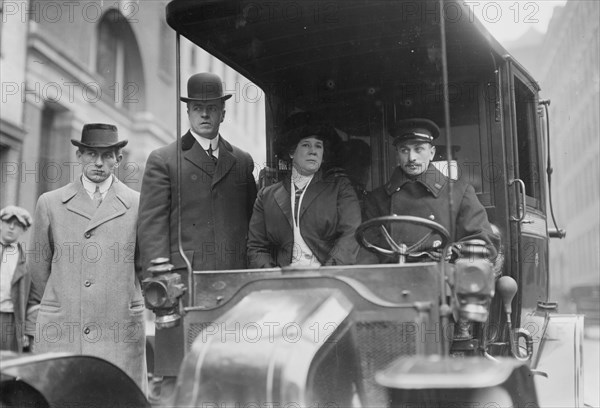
column 90, row 186
column 207, row 142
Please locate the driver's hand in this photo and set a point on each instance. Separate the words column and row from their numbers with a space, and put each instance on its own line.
column 27, row 343
column 436, row 255
column 453, row 253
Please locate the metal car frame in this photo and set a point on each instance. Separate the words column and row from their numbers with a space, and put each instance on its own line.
column 373, row 335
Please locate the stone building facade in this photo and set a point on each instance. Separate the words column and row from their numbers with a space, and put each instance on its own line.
column 569, row 72
column 67, row 63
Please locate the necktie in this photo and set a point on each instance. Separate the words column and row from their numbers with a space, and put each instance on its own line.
column 97, row 197
column 210, row 153
column 297, row 200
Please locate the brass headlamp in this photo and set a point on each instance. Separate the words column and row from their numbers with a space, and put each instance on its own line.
column 162, row 292
column 473, row 282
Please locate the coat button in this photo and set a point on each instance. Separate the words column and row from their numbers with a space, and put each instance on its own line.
column 87, row 235
column 87, row 283
column 86, row 330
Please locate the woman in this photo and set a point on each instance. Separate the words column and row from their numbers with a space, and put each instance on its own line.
column 310, row 217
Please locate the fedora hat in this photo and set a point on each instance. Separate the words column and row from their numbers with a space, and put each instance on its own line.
column 204, row 87
column 96, row 135
column 416, row 129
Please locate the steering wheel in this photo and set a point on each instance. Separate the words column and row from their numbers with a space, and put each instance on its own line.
column 396, row 248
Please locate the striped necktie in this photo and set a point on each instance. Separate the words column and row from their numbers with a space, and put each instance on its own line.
column 210, row 153
column 297, row 200
column 97, row 197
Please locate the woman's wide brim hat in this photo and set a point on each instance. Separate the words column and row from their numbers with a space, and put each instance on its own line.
column 204, row 87
column 99, row 135
column 287, row 142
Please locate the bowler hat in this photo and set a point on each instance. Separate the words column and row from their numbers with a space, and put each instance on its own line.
column 21, row 214
column 205, row 86
column 99, row 135
column 416, row 129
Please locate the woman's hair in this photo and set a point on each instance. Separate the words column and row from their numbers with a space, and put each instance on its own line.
column 286, row 144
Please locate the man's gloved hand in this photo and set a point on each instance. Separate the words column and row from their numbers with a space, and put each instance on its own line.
column 28, row 343
column 451, row 255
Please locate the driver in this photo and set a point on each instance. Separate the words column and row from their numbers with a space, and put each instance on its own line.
column 417, row 188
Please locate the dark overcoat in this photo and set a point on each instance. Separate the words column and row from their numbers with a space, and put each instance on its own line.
column 329, row 216
column 216, row 206
column 426, row 196
column 81, row 262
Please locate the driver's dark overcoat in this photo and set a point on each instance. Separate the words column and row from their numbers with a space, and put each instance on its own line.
column 426, row 196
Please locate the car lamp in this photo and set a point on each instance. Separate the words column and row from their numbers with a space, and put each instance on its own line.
column 473, row 283
column 162, row 292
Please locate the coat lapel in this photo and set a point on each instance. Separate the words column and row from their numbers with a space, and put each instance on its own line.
column 316, row 186
column 225, row 162
column 282, row 198
column 77, row 200
column 196, row 155
column 115, row 204
column 20, row 269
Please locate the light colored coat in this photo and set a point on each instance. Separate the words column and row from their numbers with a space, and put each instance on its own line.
column 81, row 261
column 19, row 293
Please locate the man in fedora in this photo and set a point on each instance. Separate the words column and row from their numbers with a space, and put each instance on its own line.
column 81, row 262
column 217, row 192
column 417, row 188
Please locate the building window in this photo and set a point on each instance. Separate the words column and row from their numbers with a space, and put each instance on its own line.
column 5, row 162
column 56, row 162
column 167, row 56
column 210, row 63
column 119, row 64
column 527, row 142
column 1, row 23
column 193, row 58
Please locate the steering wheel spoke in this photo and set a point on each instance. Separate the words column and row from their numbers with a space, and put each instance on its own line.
column 396, row 248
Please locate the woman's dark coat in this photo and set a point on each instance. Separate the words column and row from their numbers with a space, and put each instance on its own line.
column 329, row 216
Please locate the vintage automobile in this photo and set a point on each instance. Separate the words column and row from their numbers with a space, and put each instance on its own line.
column 390, row 335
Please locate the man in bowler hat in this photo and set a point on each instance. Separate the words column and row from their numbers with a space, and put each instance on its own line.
column 81, row 262
column 217, row 189
column 417, row 188
column 217, row 193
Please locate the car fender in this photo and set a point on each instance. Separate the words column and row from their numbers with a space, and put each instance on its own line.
column 65, row 380
column 559, row 361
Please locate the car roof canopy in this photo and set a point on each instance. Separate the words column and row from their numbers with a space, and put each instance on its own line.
column 298, row 45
